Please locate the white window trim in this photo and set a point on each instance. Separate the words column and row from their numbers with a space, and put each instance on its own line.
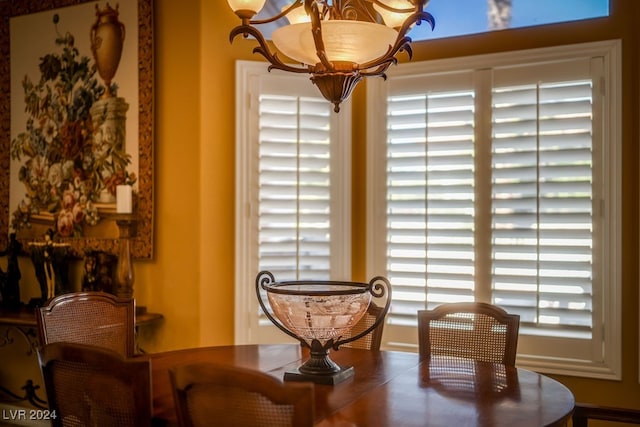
column 610, row 366
column 248, row 75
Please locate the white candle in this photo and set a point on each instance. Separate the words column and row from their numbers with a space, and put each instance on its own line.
column 124, row 199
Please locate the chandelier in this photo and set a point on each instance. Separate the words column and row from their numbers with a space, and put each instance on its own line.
column 338, row 42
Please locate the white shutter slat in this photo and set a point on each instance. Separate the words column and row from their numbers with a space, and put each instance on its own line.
column 571, row 155
column 542, row 203
column 541, row 182
column 546, row 133
column 295, row 187
column 430, row 194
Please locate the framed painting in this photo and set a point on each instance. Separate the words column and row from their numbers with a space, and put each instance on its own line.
column 76, row 122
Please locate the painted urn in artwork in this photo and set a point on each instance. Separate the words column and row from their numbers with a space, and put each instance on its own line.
column 107, row 39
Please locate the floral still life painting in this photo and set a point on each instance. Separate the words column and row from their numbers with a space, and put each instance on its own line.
column 71, row 152
column 77, row 117
column 68, row 164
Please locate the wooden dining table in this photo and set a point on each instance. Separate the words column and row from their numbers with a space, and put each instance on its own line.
column 392, row 388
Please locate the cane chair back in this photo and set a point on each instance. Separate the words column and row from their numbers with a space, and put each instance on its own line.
column 372, row 340
column 94, row 318
column 91, row 386
column 206, row 393
column 476, row 330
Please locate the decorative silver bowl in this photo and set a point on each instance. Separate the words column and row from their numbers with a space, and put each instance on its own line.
column 321, row 315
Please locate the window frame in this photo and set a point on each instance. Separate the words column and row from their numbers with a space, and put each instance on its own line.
column 606, row 365
column 251, row 77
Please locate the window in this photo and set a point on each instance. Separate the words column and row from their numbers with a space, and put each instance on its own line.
column 462, row 17
column 501, row 184
column 292, row 189
column 474, row 17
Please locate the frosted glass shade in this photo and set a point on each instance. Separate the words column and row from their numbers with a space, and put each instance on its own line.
column 297, row 15
column 349, row 41
column 393, row 19
column 253, row 5
column 317, row 313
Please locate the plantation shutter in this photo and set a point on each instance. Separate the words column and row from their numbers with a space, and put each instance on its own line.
column 430, row 200
column 294, row 187
column 542, row 195
column 293, row 190
column 530, row 205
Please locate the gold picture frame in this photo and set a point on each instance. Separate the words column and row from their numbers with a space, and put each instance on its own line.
column 103, row 235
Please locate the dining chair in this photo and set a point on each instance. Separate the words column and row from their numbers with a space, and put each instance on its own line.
column 372, row 340
column 583, row 412
column 96, row 318
column 208, row 394
column 475, row 330
column 93, row 386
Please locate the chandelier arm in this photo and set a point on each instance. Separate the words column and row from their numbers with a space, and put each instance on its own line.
column 308, row 4
column 409, row 50
column 263, row 48
column 359, row 10
column 284, row 12
column 380, row 70
column 402, row 44
column 316, row 32
column 417, row 19
column 279, row 65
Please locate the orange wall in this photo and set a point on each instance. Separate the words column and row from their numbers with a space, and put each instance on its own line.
column 191, row 278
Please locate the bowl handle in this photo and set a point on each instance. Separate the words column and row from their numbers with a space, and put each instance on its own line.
column 263, row 279
column 379, row 286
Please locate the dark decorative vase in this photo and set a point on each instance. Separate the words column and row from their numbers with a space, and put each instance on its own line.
column 98, row 271
column 51, row 264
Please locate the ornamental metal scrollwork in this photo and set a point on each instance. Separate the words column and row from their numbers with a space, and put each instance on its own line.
column 30, row 390
column 29, row 335
column 30, row 395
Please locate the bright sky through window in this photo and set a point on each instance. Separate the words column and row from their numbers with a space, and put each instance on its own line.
column 460, row 17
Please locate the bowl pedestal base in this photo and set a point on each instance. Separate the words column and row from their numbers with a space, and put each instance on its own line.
column 332, row 378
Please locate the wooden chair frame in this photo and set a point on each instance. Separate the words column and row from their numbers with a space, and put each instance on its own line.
column 511, row 321
column 184, row 377
column 95, row 318
column 134, row 372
